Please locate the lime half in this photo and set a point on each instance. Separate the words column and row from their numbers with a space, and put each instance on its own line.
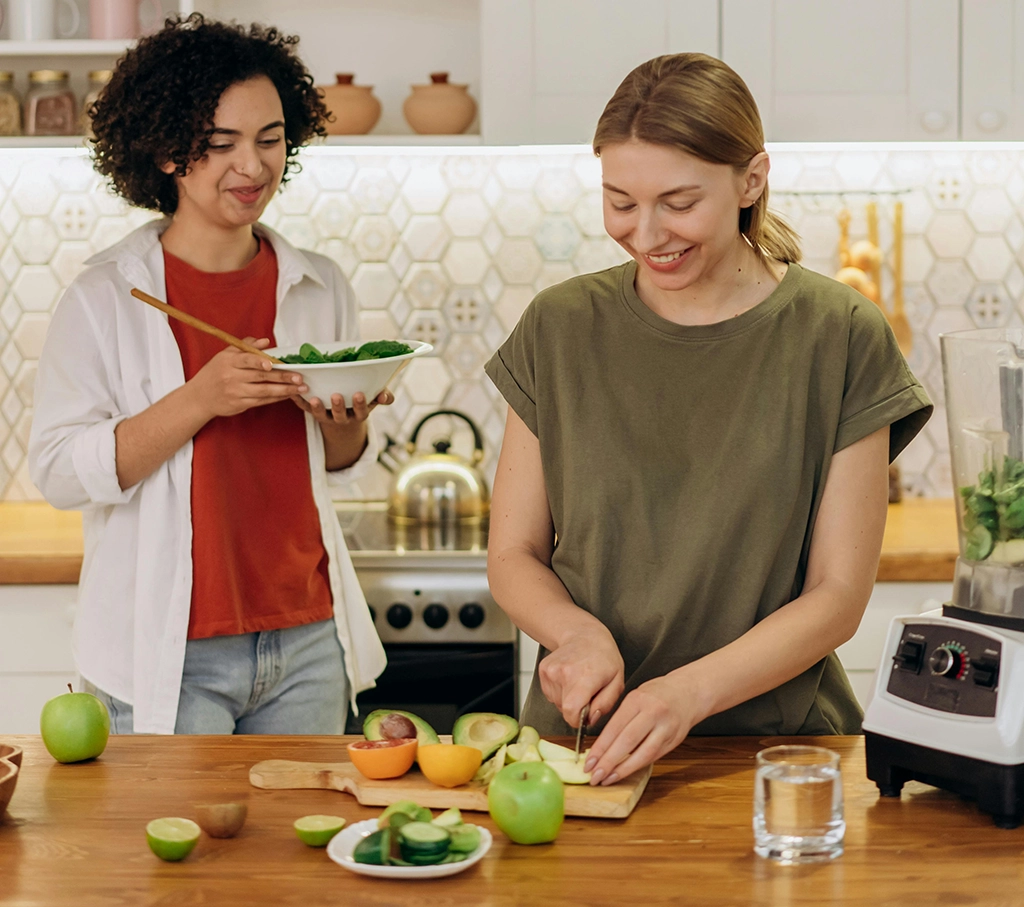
column 172, row 839
column 317, row 831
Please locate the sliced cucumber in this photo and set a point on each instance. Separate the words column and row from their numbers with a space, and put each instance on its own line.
column 423, row 843
column 465, row 839
column 374, row 848
column 423, row 837
column 979, row 544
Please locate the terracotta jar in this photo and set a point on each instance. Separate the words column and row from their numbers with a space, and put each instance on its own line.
column 49, row 104
column 440, row 108
column 354, row 108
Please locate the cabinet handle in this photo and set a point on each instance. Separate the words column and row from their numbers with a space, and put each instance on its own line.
column 935, row 120
column 990, row 120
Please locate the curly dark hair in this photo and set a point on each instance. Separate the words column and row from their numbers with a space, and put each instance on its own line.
column 160, row 103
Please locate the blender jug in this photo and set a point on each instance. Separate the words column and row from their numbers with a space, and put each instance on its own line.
column 983, row 372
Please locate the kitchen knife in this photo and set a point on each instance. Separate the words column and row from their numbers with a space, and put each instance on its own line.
column 584, row 712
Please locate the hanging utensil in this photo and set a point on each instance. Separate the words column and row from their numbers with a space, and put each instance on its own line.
column 898, row 317
column 200, row 325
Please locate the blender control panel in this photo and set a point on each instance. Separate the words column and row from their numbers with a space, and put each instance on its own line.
column 947, row 668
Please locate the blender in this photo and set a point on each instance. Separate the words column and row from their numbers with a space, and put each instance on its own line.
column 948, row 708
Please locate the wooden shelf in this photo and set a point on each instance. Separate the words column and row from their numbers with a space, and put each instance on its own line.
column 390, row 140
column 334, row 141
column 42, row 141
column 63, row 48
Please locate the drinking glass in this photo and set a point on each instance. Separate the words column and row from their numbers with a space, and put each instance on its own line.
column 798, row 804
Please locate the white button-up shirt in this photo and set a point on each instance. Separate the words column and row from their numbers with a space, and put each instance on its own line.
column 108, row 356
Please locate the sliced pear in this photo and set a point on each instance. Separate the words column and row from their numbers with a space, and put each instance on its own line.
column 449, row 818
column 514, row 752
column 492, row 766
column 552, row 752
column 1009, row 552
column 570, row 772
column 528, row 735
column 532, row 754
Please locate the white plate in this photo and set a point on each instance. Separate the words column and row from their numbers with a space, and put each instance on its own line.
column 345, row 841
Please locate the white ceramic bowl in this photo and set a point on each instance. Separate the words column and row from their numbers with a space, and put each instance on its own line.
column 368, row 377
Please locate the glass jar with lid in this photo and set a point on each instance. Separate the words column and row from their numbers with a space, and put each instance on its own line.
column 50, row 107
column 10, row 105
column 98, row 79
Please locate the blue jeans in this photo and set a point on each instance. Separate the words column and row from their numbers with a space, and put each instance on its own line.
column 288, row 681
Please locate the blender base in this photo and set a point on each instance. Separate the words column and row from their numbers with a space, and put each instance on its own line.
column 997, row 789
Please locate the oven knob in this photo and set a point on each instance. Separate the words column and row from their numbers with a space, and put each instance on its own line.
column 471, row 615
column 399, row 616
column 435, row 616
column 945, row 662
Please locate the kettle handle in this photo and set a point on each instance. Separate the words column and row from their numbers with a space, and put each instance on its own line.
column 478, row 440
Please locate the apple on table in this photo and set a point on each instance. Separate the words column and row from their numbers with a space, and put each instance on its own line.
column 527, row 801
column 75, row 726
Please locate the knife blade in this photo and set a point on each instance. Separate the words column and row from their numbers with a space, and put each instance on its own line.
column 584, row 712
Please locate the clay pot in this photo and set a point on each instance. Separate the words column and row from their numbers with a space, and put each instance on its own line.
column 439, row 108
column 354, row 107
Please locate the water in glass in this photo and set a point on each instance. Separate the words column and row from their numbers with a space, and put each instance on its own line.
column 798, row 804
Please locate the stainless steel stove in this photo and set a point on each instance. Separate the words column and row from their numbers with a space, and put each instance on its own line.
column 450, row 648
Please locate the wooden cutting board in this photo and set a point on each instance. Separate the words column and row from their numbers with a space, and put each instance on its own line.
column 613, row 802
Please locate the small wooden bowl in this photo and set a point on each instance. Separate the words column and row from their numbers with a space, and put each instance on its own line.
column 10, row 763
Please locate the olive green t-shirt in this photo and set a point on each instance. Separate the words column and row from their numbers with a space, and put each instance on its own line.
column 685, row 466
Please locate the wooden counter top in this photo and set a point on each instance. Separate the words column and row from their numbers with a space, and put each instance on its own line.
column 75, row 836
column 39, row 544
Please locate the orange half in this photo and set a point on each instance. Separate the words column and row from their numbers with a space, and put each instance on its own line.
column 448, row 764
column 378, row 759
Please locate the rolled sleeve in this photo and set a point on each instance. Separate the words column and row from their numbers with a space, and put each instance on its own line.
column 339, row 478
column 94, row 457
column 503, row 379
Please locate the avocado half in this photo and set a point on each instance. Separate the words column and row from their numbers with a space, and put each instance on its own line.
column 487, row 731
column 425, row 734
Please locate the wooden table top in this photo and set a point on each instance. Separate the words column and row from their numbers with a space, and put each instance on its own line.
column 39, row 544
column 75, row 835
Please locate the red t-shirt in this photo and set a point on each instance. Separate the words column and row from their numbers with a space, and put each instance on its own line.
column 258, row 557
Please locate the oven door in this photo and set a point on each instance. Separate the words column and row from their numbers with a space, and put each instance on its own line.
column 440, row 682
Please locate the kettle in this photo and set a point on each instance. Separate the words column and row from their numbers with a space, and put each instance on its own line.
column 441, row 486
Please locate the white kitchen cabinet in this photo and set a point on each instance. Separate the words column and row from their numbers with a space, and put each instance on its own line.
column 548, row 67
column 823, row 70
column 35, row 652
column 993, row 70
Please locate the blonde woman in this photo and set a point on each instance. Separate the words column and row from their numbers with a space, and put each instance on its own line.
column 705, row 430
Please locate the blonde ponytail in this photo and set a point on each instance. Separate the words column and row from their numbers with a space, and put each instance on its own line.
column 699, row 105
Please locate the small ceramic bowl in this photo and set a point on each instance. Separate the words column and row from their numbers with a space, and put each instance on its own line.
column 368, row 377
column 10, row 763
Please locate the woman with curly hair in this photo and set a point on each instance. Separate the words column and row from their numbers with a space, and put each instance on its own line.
column 217, row 595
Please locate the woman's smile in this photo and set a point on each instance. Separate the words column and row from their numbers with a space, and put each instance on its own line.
column 668, row 261
column 247, row 195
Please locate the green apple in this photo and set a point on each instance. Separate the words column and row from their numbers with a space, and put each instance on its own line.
column 75, row 726
column 527, row 801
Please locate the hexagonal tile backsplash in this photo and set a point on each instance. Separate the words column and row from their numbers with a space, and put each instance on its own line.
column 450, row 248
